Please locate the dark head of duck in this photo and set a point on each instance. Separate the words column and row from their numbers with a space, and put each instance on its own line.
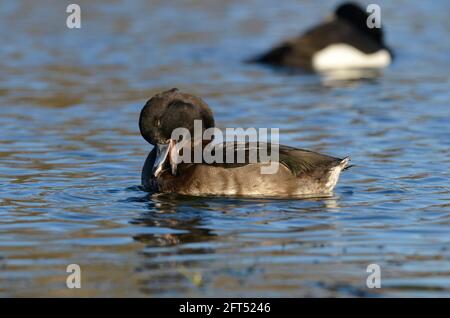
column 166, row 112
column 354, row 14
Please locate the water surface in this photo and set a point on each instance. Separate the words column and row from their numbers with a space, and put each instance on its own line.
column 71, row 154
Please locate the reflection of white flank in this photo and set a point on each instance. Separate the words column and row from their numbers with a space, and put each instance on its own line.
column 339, row 56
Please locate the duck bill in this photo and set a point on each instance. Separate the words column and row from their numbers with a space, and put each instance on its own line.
column 164, row 154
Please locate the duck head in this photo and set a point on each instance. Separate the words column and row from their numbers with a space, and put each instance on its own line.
column 354, row 14
column 164, row 113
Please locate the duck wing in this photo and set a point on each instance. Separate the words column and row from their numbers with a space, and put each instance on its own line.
column 298, row 161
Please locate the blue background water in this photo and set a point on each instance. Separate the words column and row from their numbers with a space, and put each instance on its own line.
column 71, row 154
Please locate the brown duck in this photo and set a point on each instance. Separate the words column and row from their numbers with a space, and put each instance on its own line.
column 300, row 172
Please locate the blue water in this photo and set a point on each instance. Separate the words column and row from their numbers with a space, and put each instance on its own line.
column 71, row 154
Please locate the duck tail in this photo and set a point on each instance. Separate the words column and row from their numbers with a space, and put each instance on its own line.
column 344, row 163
